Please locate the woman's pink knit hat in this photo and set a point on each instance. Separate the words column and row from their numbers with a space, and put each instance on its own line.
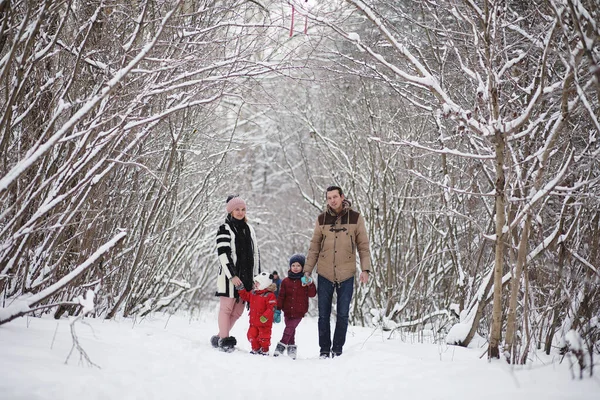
column 235, row 203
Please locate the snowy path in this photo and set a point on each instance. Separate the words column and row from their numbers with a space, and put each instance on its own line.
column 171, row 358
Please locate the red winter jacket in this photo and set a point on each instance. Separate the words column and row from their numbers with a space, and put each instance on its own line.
column 293, row 297
column 262, row 303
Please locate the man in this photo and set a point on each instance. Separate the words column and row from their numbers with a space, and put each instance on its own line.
column 339, row 233
column 277, row 281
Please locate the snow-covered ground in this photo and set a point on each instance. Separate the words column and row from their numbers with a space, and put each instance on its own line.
column 164, row 357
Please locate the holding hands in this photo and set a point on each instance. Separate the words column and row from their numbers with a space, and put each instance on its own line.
column 237, row 282
column 306, row 279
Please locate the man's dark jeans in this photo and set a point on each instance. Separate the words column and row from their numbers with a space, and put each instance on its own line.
column 344, row 291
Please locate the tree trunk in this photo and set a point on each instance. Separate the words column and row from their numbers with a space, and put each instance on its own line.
column 494, row 350
column 515, row 284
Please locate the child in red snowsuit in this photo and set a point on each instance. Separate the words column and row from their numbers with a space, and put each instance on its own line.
column 293, row 300
column 262, row 306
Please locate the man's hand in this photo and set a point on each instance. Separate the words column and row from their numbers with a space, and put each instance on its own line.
column 364, row 277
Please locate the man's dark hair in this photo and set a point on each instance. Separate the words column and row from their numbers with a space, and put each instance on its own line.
column 331, row 188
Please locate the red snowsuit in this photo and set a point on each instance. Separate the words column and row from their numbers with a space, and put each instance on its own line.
column 262, row 303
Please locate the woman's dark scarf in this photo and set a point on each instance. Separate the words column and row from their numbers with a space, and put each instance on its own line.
column 244, row 250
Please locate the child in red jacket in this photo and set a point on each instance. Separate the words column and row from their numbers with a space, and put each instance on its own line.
column 262, row 307
column 293, row 300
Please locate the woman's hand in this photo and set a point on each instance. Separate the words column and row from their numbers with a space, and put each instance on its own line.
column 236, row 281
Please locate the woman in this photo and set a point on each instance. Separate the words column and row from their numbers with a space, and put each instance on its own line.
column 239, row 262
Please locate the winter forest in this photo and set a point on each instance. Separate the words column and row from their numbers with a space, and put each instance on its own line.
column 465, row 131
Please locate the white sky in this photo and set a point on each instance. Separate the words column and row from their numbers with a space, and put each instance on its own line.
column 171, row 358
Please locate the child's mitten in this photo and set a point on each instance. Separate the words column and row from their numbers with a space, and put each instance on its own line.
column 306, row 280
column 277, row 316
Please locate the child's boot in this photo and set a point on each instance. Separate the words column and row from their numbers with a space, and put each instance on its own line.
column 292, row 350
column 260, row 352
column 279, row 349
